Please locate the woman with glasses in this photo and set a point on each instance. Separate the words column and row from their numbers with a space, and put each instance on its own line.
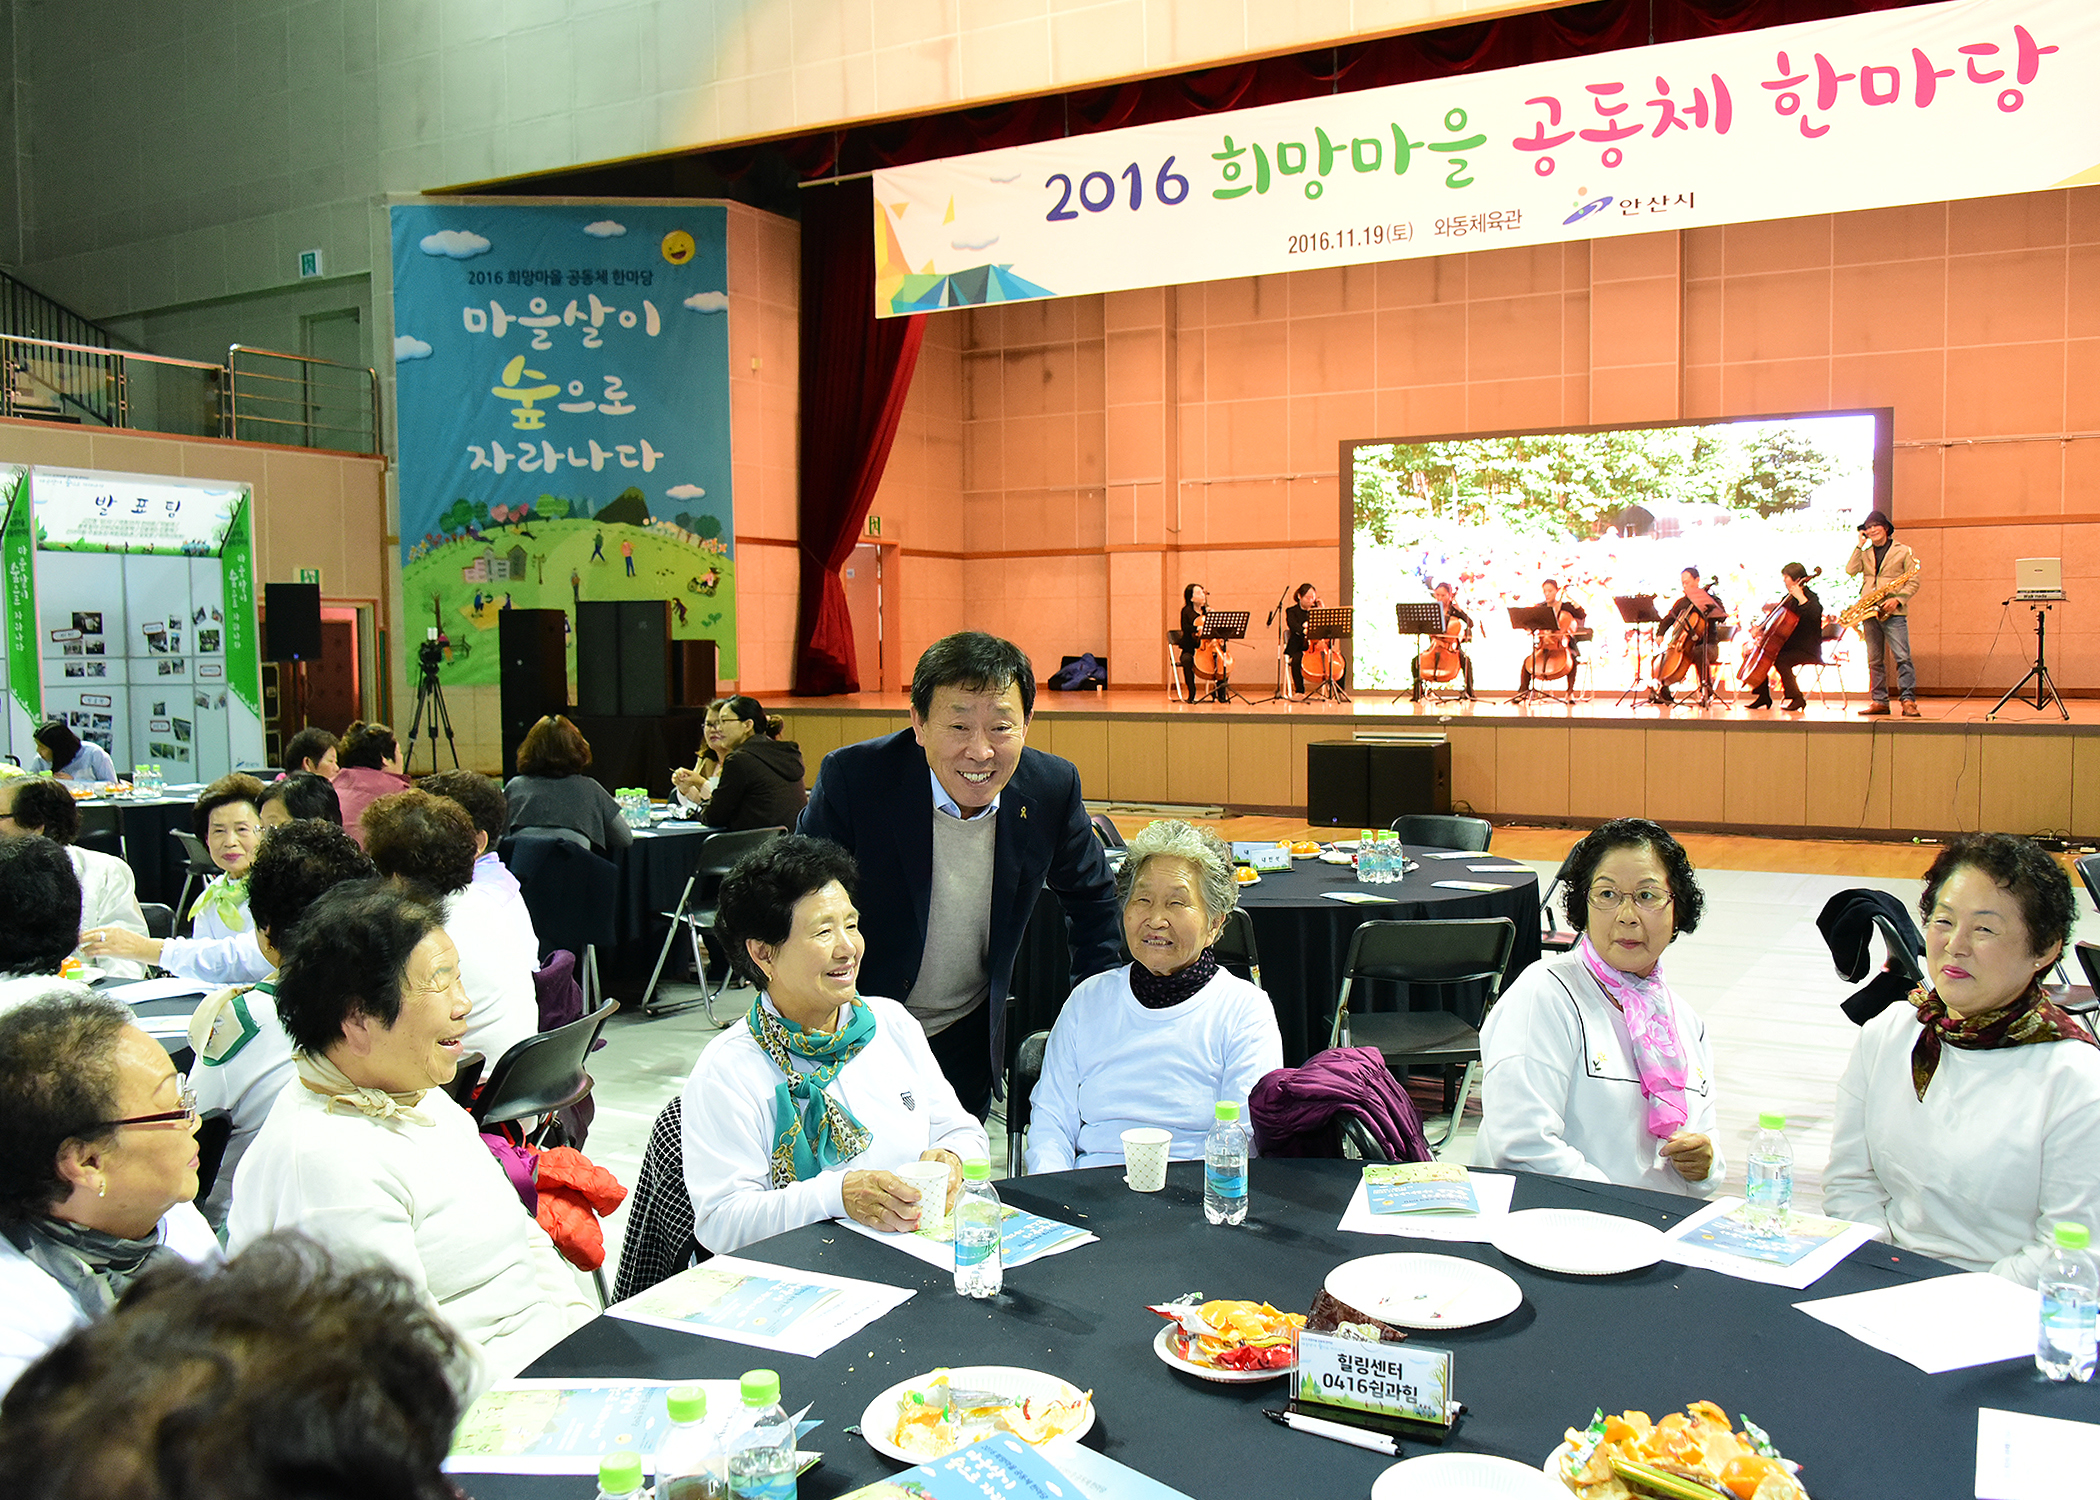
column 1592, row 1067
column 221, row 947
column 757, row 777
column 98, row 1164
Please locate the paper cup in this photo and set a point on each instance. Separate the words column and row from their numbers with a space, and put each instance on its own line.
column 1145, row 1158
column 931, row 1179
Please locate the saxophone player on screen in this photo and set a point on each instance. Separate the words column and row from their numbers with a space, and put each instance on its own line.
column 1890, row 573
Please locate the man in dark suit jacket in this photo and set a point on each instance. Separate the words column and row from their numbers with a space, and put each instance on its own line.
column 958, row 826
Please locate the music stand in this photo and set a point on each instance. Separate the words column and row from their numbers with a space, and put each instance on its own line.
column 2044, row 685
column 1638, row 612
column 1226, row 625
column 1418, row 620
column 1539, row 619
column 1338, row 624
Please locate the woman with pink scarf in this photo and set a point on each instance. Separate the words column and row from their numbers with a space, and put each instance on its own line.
column 1593, row 1068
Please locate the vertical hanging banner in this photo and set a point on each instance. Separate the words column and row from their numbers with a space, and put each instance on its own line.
column 1964, row 100
column 562, row 391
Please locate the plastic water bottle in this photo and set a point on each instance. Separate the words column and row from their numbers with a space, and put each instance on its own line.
column 980, row 1266
column 2070, row 1297
column 762, row 1449
column 620, row 1475
column 1366, row 855
column 1770, row 1193
column 1391, row 862
column 689, row 1461
column 1225, row 1168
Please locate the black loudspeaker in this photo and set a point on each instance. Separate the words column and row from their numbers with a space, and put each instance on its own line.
column 692, row 673
column 1365, row 784
column 532, row 656
column 291, row 622
column 623, row 658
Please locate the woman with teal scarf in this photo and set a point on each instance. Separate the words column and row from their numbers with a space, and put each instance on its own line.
column 221, row 947
column 803, row 1111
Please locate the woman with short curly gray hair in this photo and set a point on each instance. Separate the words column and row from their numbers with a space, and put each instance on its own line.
column 1164, row 1040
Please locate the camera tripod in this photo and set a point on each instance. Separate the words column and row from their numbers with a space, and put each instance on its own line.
column 430, row 697
column 2045, row 691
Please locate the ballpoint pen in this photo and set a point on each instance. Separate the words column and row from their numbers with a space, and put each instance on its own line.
column 1376, row 1442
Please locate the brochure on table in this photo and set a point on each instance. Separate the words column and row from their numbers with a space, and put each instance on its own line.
column 565, row 1426
column 1003, row 1467
column 1942, row 1323
column 1718, row 1238
column 2022, row 1457
column 1493, row 1189
column 130, row 609
column 765, row 1306
column 1023, row 1237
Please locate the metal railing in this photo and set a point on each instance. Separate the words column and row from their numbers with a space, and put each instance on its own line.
column 26, row 311
column 274, row 397
column 258, row 395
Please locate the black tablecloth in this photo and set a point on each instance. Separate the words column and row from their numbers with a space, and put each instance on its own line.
column 1861, row 1423
column 157, row 861
column 1303, row 937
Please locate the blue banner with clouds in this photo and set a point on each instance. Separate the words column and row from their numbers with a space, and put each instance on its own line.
column 562, row 399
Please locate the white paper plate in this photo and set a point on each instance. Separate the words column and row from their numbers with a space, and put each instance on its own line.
column 1337, row 859
column 1163, row 1346
column 1425, row 1291
column 1577, row 1242
column 1462, row 1476
column 878, row 1423
column 1551, row 1467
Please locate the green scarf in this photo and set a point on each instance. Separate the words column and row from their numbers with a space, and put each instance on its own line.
column 226, row 899
column 813, row 1132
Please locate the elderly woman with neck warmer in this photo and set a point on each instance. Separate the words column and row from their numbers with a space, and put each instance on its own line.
column 1167, row 1038
column 365, row 1151
column 1592, row 1068
column 800, row 1113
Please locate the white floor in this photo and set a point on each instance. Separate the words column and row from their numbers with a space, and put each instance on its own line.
column 1757, row 971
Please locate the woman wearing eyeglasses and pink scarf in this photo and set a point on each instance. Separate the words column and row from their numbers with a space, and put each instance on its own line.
column 1592, row 1067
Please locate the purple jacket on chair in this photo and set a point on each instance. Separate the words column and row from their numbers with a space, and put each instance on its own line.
column 1294, row 1110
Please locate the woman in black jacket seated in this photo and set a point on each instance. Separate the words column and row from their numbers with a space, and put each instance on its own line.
column 760, row 782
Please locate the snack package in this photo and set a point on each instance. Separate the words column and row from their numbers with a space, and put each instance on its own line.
column 1688, row 1455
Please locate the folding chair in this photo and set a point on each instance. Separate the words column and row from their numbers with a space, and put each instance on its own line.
column 1554, row 936
column 1236, row 948
column 1444, row 831
column 571, row 894
column 1105, row 830
column 197, row 873
column 719, row 853
column 160, row 920
column 1176, row 690
column 1451, row 954
column 541, row 1076
column 2089, row 872
column 1021, row 1081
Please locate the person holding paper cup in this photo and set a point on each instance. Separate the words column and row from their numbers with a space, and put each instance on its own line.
column 1161, row 1041
column 1968, row 1122
column 1592, row 1068
column 809, row 1108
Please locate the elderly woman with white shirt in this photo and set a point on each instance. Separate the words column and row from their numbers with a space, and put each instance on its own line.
column 1968, row 1122
column 1592, row 1067
column 365, row 1151
column 108, row 893
column 1164, row 1040
column 802, row 1112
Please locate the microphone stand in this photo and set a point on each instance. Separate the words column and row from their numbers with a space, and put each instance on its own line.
column 1275, row 615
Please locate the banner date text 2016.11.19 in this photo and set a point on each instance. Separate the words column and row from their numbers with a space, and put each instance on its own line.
column 1353, row 238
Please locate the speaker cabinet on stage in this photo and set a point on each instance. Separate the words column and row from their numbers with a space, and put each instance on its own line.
column 623, row 657
column 1369, row 783
column 291, row 621
column 532, row 654
column 692, row 673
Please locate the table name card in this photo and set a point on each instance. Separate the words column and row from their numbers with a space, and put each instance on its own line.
column 1386, row 1387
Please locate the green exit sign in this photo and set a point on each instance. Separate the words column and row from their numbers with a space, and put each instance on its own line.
column 310, row 575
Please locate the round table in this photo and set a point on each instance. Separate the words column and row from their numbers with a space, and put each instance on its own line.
column 1303, row 936
column 1862, row 1423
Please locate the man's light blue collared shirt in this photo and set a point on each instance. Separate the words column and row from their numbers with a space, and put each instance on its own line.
column 942, row 802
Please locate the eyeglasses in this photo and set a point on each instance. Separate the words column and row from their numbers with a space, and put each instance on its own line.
column 1646, row 899
column 186, row 1114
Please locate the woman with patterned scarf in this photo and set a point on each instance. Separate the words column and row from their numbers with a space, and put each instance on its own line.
column 800, row 1113
column 221, row 947
column 1968, row 1122
column 97, row 1171
column 1591, row 1067
column 365, row 1152
column 1162, row 1041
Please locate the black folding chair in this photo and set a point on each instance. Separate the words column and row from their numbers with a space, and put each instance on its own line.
column 1457, row 954
column 1236, row 948
column 214, row 1132
column 1444, row 831
column 1021, row 1081
column 541, row 1076
column 696, row 912
column 1902, row 956
column 1554, row 935
column 1105, row 829
column 2089, row 872
column 160, row 920
column 198, row 870
column 571, row 894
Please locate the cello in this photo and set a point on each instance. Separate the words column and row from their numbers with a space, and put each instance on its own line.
column 1322, row 664
column 1213, row 656
column 1771, row 634
column 1694, row 628
column 1551, row 658
column 1443, row 661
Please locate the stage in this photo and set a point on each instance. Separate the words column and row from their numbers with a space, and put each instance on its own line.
column 1825, row 772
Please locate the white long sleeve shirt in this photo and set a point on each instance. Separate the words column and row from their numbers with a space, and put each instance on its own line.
column 1561, row 1096
column 892, row 1086
column 215, row 952
column 2004, row 1144
column 496, row 962
column 1112, row 1065
column 243, row 1064
column 428, row 1200
column 36, row 1312
column 109, row 897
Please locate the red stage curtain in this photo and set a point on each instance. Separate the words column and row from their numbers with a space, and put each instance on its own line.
column 856, row 372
